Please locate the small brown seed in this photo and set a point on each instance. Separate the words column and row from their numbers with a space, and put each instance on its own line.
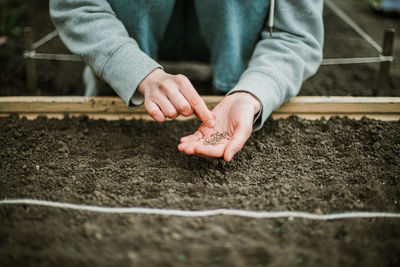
column 215, row 138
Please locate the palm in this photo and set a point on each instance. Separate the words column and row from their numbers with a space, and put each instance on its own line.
column 234, row 116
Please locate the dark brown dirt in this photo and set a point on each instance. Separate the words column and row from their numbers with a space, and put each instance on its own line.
column 320, row 166
column 342, row 42
column 65, row 78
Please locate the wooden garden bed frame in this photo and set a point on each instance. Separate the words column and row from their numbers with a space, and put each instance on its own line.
column 112, row 108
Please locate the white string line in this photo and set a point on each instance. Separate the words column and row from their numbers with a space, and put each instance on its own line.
column 62, row 57
column 203, row 213
column 359, row 60
column 45, row 39
column 339, row 12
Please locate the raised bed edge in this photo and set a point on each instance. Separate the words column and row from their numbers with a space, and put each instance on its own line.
column 112, row 108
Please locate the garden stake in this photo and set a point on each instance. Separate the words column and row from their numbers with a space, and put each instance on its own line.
column 30, row 64
column 384, row 70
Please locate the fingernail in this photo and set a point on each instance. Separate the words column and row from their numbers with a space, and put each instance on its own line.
column 211, row 123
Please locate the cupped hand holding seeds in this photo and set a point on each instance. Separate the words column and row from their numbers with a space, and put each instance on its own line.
column 167, row 96
column 234, row 124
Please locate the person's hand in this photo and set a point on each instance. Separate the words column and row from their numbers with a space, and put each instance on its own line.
column 235, row 114
column 167, row 96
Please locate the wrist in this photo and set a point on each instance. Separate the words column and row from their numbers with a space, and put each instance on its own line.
column 251, row 99
column 152, row 77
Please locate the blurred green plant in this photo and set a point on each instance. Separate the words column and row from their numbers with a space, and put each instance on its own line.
column 9, row 18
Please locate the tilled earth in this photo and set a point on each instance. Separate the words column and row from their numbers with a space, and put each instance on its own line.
column 322, row 166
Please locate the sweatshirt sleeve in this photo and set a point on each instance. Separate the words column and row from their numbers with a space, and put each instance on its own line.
column 91, row 30
column 281, row 62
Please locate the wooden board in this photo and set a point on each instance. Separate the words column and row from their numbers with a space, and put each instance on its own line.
column 112, row 108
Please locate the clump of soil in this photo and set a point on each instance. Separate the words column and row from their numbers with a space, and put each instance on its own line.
column 321, row 166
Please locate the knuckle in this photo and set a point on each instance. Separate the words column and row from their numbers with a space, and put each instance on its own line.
column 163, row 86
column 159, row 117
column 167, row 85
column 194, row 102
column 171, row 114
column 153, row 112
column 185, row 109
column 181, row 78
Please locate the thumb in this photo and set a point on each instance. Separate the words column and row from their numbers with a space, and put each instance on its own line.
column 239, row 138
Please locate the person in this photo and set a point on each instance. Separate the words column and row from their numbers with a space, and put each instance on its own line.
column 257, row 69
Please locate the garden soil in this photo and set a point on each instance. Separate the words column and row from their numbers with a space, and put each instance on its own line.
column 323, row 166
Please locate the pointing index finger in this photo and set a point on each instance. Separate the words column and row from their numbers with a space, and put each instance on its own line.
column 197, row 103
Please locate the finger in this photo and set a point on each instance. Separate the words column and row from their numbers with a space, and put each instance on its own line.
column 166, row 106
column 216, row 151
column 193, row 137
column 180, row 103
column 196, row 102
column 171, row 90
column 239, row 138
column 154, row 111
column 188, row 148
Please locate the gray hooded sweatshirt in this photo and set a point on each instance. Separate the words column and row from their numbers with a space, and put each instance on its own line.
column 276, row 69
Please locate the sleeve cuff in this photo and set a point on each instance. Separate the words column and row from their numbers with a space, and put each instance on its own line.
column 124, row 71
column 136, row 100
column 265, row 89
